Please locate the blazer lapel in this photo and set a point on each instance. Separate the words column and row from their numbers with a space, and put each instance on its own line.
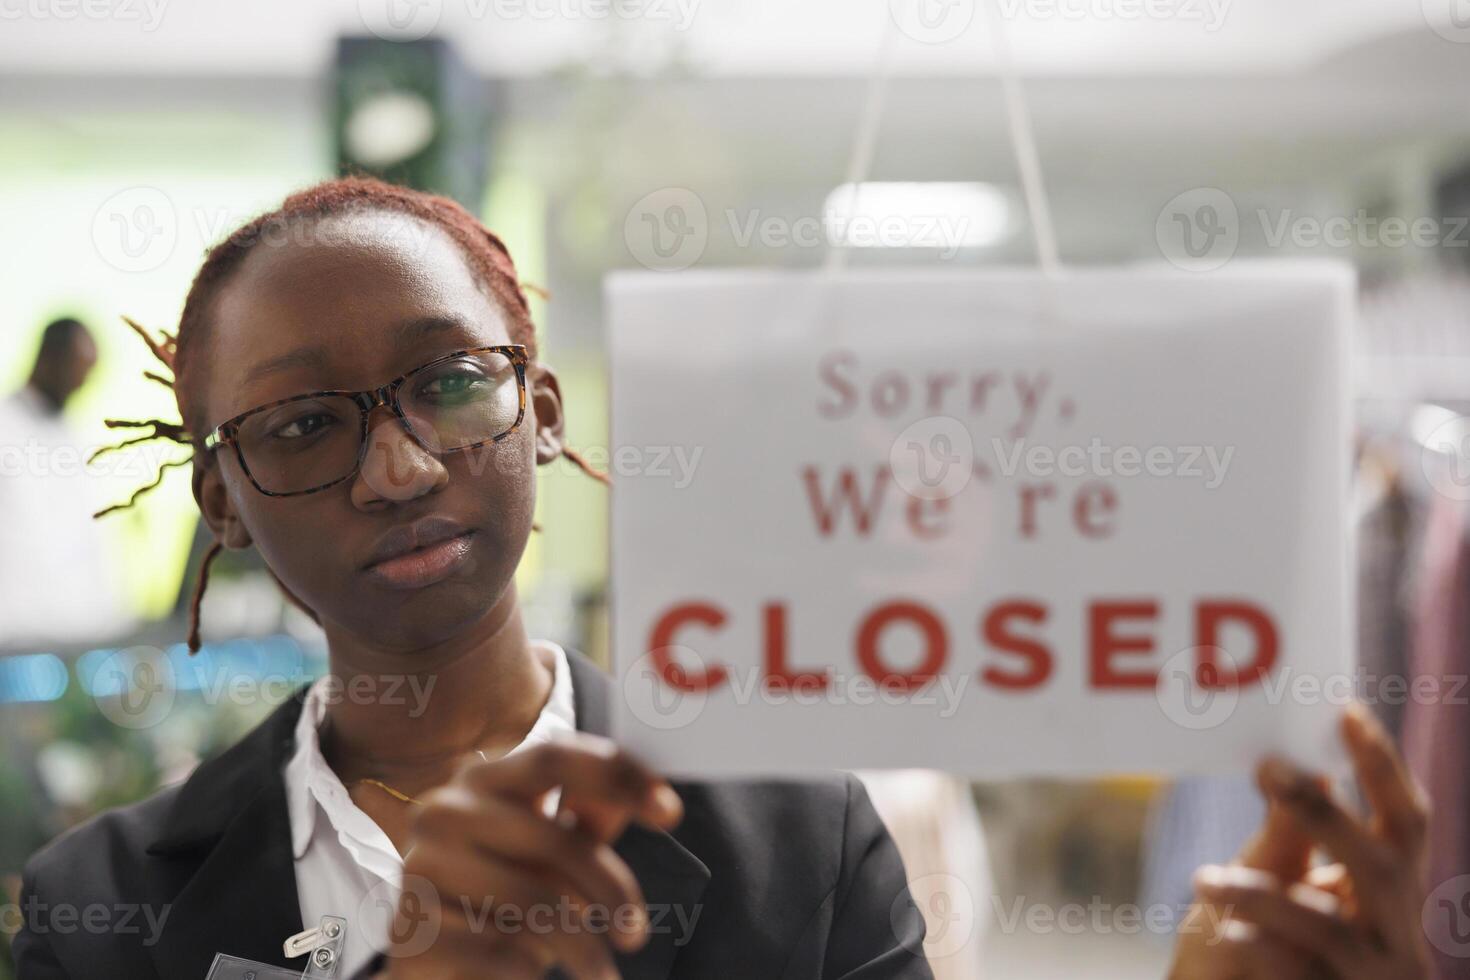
column 672, row 877
column 230, row 836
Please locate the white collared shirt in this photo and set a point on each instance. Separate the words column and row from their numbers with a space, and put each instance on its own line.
column 345, row 864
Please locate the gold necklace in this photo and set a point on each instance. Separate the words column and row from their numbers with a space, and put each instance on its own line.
column 398, row 794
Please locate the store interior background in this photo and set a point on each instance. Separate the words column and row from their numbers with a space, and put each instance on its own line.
column 1295, row 108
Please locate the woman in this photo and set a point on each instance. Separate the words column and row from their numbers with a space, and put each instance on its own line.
column 357, row 374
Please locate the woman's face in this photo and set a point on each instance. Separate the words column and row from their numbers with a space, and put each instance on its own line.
column 351, row 302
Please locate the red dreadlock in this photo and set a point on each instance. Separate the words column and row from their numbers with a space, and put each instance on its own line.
column 488, row 257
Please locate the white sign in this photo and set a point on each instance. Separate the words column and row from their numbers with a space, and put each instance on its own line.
column 980, row 522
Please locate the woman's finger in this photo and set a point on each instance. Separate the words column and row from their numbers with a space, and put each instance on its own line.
column 1331, row 878
column 1251, row 952
column 503, row 905
column 601, row 784
column 522, row 836
column 1334, row 879
column 1282, row 846
column 1399, row 805
column 1299, row 915
column 1373, row 864
column 460, row 951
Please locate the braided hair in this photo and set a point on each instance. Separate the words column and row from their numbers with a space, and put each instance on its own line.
column 487, row 255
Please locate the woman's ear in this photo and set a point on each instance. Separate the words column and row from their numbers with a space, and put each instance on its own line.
column 545, row 395
column 215, row 505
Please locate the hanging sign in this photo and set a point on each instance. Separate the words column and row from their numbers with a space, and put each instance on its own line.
column 990, row 523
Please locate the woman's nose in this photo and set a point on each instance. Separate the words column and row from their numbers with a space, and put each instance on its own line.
column 395, row 467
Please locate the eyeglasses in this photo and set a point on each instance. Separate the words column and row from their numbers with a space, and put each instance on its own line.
column 310, row 442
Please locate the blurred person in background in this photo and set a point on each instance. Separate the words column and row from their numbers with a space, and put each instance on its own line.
column 53, row 557
column 66, row 357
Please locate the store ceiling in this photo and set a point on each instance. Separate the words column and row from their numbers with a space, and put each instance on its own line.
column 718, row 37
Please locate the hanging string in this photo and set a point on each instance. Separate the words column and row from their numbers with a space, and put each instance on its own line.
column 1018, row 124
column 866, row 138
column 1023, row 142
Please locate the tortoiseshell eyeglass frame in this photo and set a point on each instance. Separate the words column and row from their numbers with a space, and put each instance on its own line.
column 386, row 395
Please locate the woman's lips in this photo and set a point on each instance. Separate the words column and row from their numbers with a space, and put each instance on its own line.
column 424, row 566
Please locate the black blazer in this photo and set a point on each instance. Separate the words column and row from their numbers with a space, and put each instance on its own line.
column 789, row 879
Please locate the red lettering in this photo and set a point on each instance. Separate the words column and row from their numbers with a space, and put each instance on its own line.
column 662, row 639
column 937, row 511
column 829, row 369
column 1035, row 653
column 1208, row 618
column 936, row 643
column 1030, row 494
column 847, row 493
column 779, row 676
column 1093, row 497
column 1104, row 645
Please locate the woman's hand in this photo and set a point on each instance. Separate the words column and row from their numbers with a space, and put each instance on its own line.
column 1270, row 914
column 494, row 887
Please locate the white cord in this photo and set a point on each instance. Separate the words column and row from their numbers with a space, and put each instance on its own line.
column 866, row 140
column 1023, row 141
column 1018, row 123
